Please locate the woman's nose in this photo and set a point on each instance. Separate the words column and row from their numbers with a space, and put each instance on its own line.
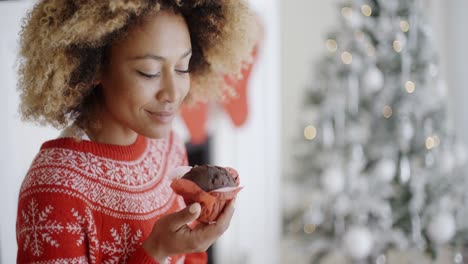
column 168, row 91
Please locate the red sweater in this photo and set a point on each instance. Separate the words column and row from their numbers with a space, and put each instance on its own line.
column 87, row 202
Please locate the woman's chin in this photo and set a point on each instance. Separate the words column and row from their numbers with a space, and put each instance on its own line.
column 158, row 133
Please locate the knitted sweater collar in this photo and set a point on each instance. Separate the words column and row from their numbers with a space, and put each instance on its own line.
column 80, row 142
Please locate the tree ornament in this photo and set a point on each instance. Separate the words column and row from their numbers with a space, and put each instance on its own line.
column 385, row 169
column 373, row 80
column 358, row 242
column 447, row 161
column 333, row 180
column 441, row 228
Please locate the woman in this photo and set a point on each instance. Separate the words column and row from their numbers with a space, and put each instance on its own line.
column 114, row 74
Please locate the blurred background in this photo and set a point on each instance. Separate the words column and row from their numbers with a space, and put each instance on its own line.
column 348, row 134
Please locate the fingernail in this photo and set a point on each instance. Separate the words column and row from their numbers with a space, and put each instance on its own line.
column 194, row 208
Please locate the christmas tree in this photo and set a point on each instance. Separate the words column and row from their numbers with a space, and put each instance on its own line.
column 378, row 168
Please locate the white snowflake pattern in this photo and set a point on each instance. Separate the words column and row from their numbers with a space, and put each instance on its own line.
column 78, row 260
column 139, row 172
column 152, row 167
column 38, row 229
column 45, row 157
column 113, row 171
column 123, row 245
column 67, row 157
column 85, row 227
column 127, row 174
column 90, row 163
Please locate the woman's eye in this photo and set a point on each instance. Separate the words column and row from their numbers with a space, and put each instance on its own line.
column 147, row 75
column 183, row 71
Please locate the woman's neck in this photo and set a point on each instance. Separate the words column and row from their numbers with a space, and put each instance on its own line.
column 120, row 139
column 110, row 131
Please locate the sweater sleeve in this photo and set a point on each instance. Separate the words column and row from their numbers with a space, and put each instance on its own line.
column 54, row 228
column 58, row 228
column 196, row 258
column 141, row 257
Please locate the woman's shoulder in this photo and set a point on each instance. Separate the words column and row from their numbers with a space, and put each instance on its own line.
column 56, row 164
column 49, row 166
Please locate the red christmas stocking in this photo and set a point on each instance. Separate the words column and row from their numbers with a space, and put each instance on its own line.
column 237, row 107
column 195, row 119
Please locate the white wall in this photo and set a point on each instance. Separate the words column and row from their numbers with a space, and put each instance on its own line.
column 448, row 19
column 254, row 150
column 304, row 24
column 19, row 141
column 456, row 68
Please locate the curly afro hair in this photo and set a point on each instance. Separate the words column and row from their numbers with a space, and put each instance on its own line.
column 64, row 44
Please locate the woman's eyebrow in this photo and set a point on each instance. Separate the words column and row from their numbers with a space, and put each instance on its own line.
column 158, row 57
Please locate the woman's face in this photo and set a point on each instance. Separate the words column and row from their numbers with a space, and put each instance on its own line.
column 147, row 78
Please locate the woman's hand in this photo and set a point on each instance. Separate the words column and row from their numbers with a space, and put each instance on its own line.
column 171, row 234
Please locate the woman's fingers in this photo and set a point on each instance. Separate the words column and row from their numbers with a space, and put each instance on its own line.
column 184, row 216
column 214, row 230
column 171, row 234
column 224, row 219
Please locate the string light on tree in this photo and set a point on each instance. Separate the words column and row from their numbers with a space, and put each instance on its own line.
column 410, row 87
column 352, row 19
column 309, row 228
column 346, row 57
column 404, row 26
column 387, row 111
column 366, row 10
column 347, row 12
column 400, row 42
column 331, row 44
column 397, row 46
column 310, row 132
column 430, row 143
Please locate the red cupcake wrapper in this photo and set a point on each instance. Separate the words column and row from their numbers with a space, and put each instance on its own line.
column 213, row 202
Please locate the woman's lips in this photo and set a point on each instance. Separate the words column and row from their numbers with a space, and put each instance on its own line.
column 161, row 117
